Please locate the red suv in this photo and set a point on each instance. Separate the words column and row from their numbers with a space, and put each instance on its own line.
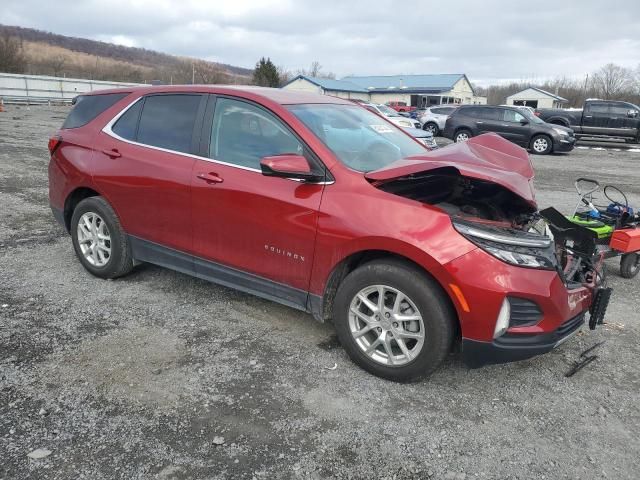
column 319, row 204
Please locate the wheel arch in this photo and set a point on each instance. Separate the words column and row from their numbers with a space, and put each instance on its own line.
column 323, row 310
column 558, row 121
column 72, row 201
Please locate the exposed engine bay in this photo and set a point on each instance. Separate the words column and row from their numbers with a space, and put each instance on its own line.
column 496, row 219
column 465, row 197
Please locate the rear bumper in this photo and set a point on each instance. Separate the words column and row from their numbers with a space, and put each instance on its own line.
column 515, row 347
column 58, row 215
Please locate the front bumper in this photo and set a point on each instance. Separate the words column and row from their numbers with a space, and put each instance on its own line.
column 515, row 347
column 485, row 282
column 564, row 144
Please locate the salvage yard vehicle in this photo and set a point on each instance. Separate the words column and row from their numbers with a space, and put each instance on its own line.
column 606, row 119
column 515, row 124
column 400, row 106
column 422, row 136
column 433, row 119
column 317, row 203
column 392, row 115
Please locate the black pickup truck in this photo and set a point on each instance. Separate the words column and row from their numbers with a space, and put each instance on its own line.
column 598, row 118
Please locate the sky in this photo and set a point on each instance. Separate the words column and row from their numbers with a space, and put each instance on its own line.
column 489, row 40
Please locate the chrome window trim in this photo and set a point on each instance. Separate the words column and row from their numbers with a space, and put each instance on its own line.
column 108, row 129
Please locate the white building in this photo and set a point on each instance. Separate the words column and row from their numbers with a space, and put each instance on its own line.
column 536, row 98
column 414, row 90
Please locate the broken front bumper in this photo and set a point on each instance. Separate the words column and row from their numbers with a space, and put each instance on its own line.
column 485, row 282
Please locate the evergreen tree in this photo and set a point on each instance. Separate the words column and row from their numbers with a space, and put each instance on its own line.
column 266, row 74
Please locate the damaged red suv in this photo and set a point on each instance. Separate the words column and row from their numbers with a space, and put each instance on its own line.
column 319, row 204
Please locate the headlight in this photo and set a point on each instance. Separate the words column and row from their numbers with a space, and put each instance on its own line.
column 559, row 131
column 515, row 247
column 404, row 123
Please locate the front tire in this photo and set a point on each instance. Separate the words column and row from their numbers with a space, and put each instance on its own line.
column 541, row 144
column 630, row 265
column 393, row 320
column 431, row 127
column 99, row 241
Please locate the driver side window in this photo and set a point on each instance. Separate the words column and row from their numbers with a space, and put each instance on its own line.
column 242, row 134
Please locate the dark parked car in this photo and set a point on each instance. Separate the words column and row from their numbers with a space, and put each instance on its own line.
column 599, row 118
column 517, row 125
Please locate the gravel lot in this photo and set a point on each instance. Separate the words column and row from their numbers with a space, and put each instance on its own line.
column 159, row 375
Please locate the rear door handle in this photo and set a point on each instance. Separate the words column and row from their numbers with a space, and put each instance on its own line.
column 113, row 153
column 479, row 123
column 211, row 178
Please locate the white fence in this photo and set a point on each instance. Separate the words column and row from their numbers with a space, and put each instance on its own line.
column 35, row 89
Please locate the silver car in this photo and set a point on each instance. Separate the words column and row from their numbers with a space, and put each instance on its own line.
column 434, row 118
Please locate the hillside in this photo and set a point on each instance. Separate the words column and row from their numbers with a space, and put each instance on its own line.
column 52, row 54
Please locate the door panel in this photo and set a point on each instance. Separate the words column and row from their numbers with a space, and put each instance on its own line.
column 595, row 118
column 243, row 219
column 511, row 127
column 150, row 186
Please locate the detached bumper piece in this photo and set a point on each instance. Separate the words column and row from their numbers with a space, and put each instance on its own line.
column 515, row 347
column 599, row 307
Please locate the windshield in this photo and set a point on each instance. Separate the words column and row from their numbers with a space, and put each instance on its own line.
column 360, row 139
column 389, row 112
column 530, row 116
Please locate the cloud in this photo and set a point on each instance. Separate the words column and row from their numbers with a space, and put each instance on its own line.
column 488, row 40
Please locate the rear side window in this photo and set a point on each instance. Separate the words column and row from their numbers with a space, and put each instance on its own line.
column 88, row 107
column 471, row 112
column 443, row 110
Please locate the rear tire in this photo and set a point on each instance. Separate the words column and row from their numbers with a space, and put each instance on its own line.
column 462, row 135
column 412, row 336
column 431, row 127
column 541, row 144
column 630, row 265
column 102, row 246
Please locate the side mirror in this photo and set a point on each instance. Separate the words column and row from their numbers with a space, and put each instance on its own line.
column 632, row 113
column 524, row 122
column 288, row 165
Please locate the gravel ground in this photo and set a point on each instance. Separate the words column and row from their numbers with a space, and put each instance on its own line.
column 159, row 375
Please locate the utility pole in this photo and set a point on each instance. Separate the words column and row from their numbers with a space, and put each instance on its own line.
column 193, row 73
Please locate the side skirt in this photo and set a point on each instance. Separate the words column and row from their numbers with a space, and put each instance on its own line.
column 150, row 252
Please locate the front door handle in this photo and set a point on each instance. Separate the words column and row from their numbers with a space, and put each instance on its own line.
column 210, row 177
column 113, row 153
column 479, row 123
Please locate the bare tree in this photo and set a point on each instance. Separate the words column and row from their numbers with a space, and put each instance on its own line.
column 612, row 81
column 56, row 64
column 316, row 71
column 208, row 73
column 12, row 59
column 284, row 75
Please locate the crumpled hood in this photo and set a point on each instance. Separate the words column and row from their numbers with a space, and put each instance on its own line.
column 486, row 157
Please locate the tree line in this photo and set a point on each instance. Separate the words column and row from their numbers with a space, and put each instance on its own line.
column 610, row 82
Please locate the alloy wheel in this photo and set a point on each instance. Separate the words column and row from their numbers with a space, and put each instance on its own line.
column 540, row 144
column 462, row 137
column 94, row 239
column 386, row 325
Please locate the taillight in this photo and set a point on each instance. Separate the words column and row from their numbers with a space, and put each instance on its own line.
column 54, row 143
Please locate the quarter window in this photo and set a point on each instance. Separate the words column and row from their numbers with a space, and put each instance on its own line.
column 88, row 107
column 243, row 134
column 126, row 126
column 167, row 121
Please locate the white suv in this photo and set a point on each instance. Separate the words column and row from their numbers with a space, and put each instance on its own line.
column 392, row 115
column 434, row 118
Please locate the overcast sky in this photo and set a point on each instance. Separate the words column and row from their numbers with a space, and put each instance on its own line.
column 488, row 40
